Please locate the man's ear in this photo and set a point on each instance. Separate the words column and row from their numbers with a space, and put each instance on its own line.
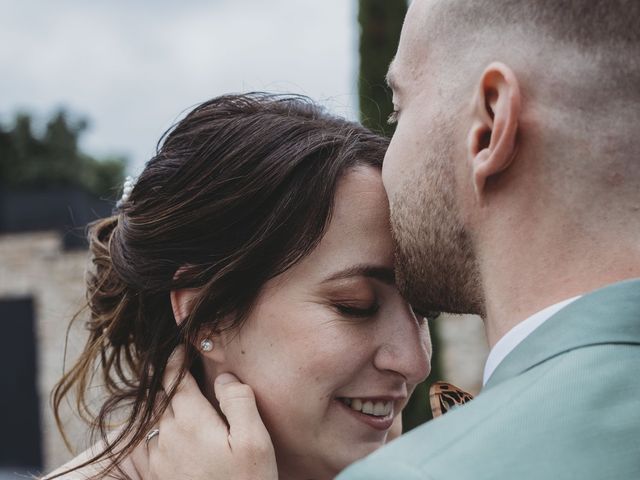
column 492, row 141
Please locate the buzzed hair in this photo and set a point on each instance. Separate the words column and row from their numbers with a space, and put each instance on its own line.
column 605, row 31
column 584, row 23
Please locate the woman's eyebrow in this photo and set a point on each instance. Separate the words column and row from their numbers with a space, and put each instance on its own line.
column 384, row 274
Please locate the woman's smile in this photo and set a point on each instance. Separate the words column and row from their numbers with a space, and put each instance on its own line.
column 375, row 407
column 376, row 412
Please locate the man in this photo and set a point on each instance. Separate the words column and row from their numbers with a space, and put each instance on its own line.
column 513, row 179
column 514, row 184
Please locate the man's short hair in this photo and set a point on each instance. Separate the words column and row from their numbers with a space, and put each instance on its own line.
column 605, row 31
column 585, row 23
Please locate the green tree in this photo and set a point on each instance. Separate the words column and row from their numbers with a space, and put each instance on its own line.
column 380, row 26
column 53, row 158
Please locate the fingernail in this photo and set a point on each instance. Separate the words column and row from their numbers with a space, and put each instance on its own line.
column 225, row 378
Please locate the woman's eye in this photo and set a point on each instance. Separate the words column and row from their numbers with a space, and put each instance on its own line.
column 360, row 312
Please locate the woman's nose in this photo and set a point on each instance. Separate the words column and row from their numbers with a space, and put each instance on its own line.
column 404, row 347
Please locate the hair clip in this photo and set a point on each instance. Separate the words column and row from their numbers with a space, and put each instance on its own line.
column 129, row 183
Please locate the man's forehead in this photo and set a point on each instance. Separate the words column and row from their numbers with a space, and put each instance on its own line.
column 406, row 67
column 412, row 49
column 415, row 20
column 419, row 9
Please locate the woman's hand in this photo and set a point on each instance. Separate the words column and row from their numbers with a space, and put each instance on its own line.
column 194, row 441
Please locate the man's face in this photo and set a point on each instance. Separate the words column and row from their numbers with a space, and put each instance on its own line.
column 436, row 267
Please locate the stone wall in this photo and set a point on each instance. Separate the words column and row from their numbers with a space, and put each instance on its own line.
column 35, row 265
column 464, row 350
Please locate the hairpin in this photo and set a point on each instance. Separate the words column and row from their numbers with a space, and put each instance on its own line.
column 127, row 188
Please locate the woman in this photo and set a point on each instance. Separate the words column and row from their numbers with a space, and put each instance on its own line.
column 258, row 238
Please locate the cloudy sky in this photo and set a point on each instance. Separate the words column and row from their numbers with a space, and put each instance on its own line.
column 133, row 67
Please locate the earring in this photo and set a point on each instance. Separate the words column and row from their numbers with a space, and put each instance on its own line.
column 206, row 345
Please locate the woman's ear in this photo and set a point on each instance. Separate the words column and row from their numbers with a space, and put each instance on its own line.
column 209, row 342
column 493, row 136
column 182, row 302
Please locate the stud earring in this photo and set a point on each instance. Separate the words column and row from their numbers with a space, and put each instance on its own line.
column 206, row 345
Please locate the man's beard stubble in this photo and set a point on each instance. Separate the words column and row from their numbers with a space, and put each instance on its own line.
column 436, row 268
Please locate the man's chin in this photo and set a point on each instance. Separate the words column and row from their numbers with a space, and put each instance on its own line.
column 442, row 287
column 436, row 269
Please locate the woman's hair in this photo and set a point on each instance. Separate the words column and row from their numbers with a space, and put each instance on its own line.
column 239, row 191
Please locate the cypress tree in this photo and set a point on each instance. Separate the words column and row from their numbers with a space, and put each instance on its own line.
column 380, row 24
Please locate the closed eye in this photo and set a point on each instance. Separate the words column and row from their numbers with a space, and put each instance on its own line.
column 358, row 312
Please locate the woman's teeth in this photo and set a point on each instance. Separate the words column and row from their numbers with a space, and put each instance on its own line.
column 377, row 409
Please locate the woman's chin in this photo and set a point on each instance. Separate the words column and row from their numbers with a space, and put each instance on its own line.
column 353, row 452
column 332, row 462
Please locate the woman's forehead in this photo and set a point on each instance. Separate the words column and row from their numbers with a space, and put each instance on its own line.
column 359, row 230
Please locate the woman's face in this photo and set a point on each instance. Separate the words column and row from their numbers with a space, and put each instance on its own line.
column 331, row 349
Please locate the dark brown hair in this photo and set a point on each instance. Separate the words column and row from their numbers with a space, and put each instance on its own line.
column 239, row 191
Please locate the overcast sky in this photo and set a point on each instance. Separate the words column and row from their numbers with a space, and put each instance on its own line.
column 133, row 67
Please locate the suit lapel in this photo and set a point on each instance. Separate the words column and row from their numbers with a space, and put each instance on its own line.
column 608, row 315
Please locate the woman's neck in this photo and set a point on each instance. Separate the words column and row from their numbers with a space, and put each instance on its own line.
column 137, row 463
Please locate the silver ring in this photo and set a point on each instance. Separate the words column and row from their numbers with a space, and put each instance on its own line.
column 153, row 433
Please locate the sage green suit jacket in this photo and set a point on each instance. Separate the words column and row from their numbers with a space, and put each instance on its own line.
column 564, row 404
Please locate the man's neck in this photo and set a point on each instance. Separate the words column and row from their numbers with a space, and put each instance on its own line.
column 523, row 278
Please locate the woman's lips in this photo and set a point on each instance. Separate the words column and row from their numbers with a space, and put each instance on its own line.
column 381, row 411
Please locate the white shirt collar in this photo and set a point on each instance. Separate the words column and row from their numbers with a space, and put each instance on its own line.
column 517, row 334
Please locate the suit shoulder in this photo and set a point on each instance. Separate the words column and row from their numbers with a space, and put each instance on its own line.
column 534, row 425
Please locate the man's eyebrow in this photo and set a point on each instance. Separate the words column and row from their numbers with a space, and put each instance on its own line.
column 384, row 274
column 390, row 78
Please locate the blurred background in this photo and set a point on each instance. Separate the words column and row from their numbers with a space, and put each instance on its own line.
column 86, row 91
